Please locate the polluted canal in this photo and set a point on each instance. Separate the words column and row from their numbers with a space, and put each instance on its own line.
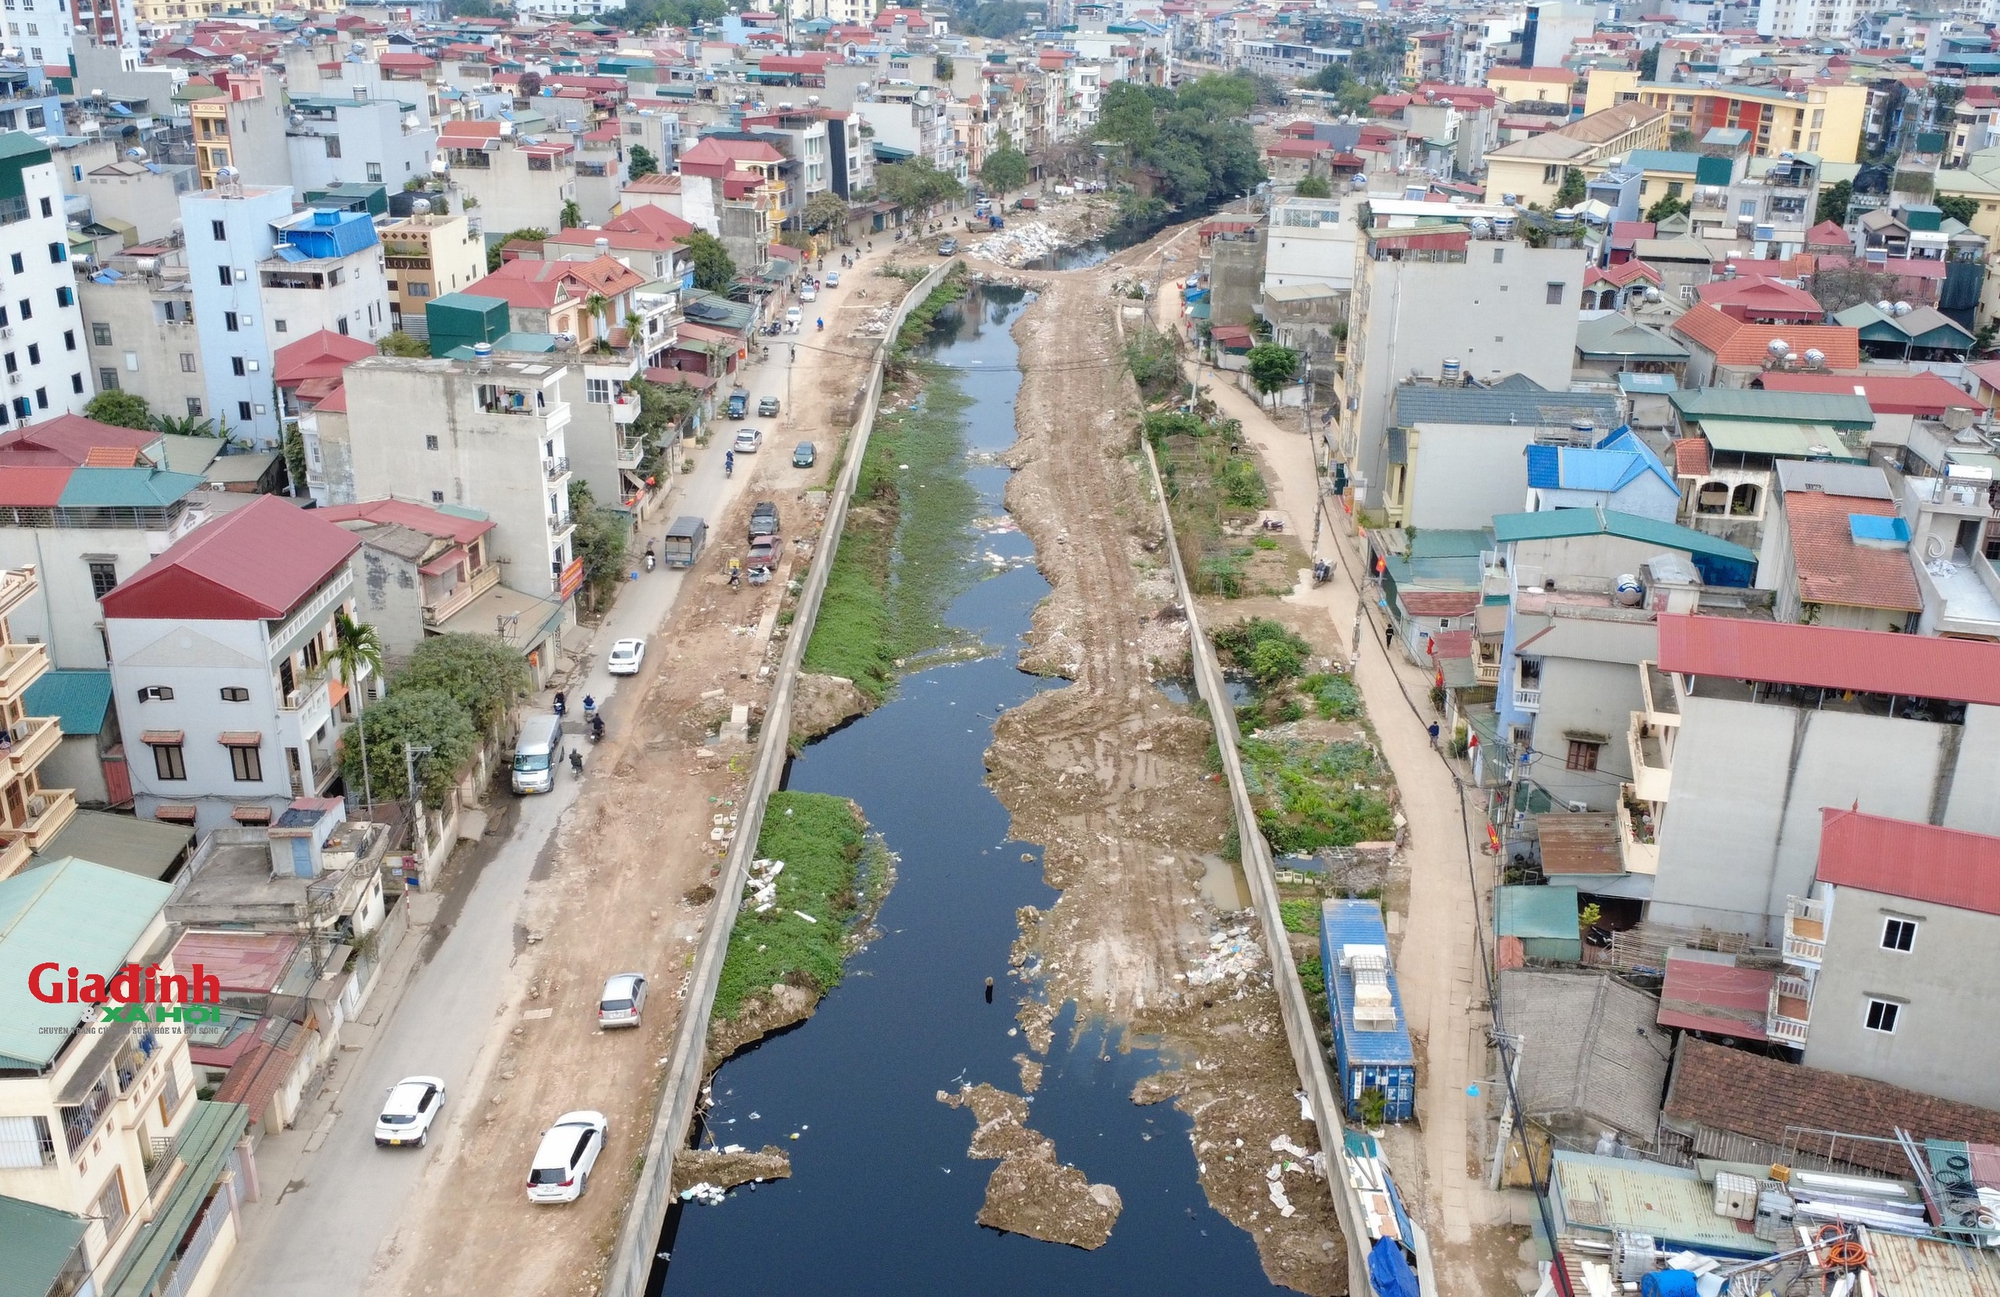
column 882, row 1195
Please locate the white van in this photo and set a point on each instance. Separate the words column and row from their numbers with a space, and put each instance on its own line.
column 537, row 753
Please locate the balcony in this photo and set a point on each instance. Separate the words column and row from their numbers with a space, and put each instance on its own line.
column 631, row 452
column 14, row 855
column 1805, row 932
column 1527, row 700
column 1663, row 703
column 20, row 666
column 310, row 702
column 15, row 586
column 556, row 469
column 625, row 410
column 1638, row 838
column 1790, row 1011
column 48, row 812
column 1652, row 767
column 484, row 579
column 31, row 741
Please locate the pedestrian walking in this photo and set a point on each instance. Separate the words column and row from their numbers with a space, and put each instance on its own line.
column 1434, row 735
column 1388, row 637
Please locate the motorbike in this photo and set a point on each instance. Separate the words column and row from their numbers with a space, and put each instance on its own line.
column 596, row 728
column 576, row 763
column 1322, row 571
column 650, row 560
column 729, row 464
column 562, row 707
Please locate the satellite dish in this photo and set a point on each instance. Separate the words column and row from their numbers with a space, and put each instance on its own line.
column 422, row 207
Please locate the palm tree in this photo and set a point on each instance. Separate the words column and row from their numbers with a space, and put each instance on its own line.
column 572, row 215
column 356, row 645
column 186, row 426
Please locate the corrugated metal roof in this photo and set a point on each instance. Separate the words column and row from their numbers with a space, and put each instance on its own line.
column 147, row 848
column 1829, row 657
column 203, row 1146
column 1766, row 437
column 1359, row 923
column 1579, row 844
column 1921, row 1267
column 1524, row 403
column 1700, row 995
column 126, row 488
column 1536, row 912
column 1551, row 524
column 74, row 912
column 1669, row 1202
column 40, row 1241
column 1701, row 404
column 1920, row 862
column 78, row 699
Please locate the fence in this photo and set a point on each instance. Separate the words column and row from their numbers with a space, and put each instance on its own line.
column 632, row 1257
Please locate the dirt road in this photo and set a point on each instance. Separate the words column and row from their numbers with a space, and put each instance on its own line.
column 1111, row 777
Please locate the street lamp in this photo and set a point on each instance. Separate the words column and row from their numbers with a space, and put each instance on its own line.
column 410, row 752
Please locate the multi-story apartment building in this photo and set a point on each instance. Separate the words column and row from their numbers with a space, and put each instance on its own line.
column 350, row 141
column 41, row 343
column 1825, row 120
column 219, row 666
column 325, row 271
column 1532, row 169
column 139, row 334
column 505, row 183
column 28, row 102
column 30, row 815
column 1493, row 305
column 114, row 1177
column 734, row 189
column 427, row 256
column 145, row 195
column 241, row 127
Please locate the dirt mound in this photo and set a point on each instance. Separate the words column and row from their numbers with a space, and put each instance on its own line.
column 1030, row 1192
column 726, row 1170
column 760, row 1016
column 821, row 703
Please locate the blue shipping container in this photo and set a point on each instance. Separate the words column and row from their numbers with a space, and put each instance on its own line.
column 1365, row 1059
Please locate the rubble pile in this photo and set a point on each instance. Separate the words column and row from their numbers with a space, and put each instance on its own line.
column 1234, row 955
column 1017, row 245
column 1031, row 1192
column 761, row 888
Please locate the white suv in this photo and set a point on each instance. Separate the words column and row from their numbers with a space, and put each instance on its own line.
column 561, row 1169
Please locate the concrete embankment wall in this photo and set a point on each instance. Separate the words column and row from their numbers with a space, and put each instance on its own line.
column 632, row 1257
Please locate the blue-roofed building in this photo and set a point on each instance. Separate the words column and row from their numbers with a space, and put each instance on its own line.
column 1620, row 473
column 1372, row 1054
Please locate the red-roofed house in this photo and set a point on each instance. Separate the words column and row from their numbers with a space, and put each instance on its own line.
column 1926, row 394
column 1888, row 952
column 519, row 185
column 1843, row 560
column 549, row 296
column 1752, row 728
column 68, row 441
column 1761, row 301
column 649, row 239
column 716, row 173
column 425, row 572
column 306, row 372
column 1727, row 352
column 239, row 610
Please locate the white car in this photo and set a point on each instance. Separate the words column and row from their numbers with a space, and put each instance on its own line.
column 569, row 1149
column 748, row 440
column 623, row 1000
column 793, row 318
column 413, row 1104
column 808, row 294
column 626, row 655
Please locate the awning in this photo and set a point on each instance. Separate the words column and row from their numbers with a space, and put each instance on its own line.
column 174, row 813
column 238, row 739
column 163, row 738
column 251, row 815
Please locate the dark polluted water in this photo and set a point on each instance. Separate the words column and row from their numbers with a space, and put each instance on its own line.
column 882, row 1198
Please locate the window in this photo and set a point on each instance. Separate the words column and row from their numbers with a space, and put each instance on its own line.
column 76, row 383
column 1499, row 255
column 247, row 764
column 69, row 335
column 100, row 335
column 107, row 379
column 341, row 324
column 1898, row 934
column 41, row 398
column 1882, row 1015
column 1582, row 755
column 1748, row 207
column 235, row 694
column 374, row 171
column 419, row 288
column 65, row 297
column 437, row 497
column 332, row 143
column 236, row 366
column 27, row 309
column 26, row 1142
column 23, row 407
column 104, row 579
column 56, row 254
column 35, row 356
column 169, row 761
column 222, row 274
column 431, row 442
column 194, row 406
column 187, row 362
column 1552, row 175
column 230, row 322
column 243, row 411
column 1555, row 297
column 110, row 1204
column 597, row 391
column 18, row 264
column 281, row 326
column 38, row 118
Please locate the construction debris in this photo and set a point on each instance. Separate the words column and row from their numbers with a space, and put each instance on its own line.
column 1234, row 954
column 1017, row 245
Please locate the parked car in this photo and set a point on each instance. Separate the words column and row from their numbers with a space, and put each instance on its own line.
column 808, row 294
column 767, row 408
column 793, row 318
column 949, row 248
column 804, row 455
column 833, row 279
column 763, row 553
column 624, row 998
column 748, row 440
column 763, row 519
column 626, row 655
column 413, row 1104
column 569, row 1149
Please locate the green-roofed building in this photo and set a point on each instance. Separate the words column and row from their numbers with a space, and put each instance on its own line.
column 81, row 703
column 1719, row 562
column 43, row 1249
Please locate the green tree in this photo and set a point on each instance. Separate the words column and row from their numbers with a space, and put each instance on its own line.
column 827, row 210
column 1959, row 208
column 1833, row 201
column 601, row 540
column 1313, row 187
column 714, row 270
column 526, row 234
column 941, row 69
column 1572, row 190
column 486, row 675
column 1272, row 367
column 356, row 647
column 408, row 718
column 119, row 409
column 916, row 185
column 572, row 215
column 399, row 343
column 187, row 425
column 1669, row 205
column 1005, row 168
column 294, row 448
column 639, row 161
column 1331, row 79
column 1649, row 65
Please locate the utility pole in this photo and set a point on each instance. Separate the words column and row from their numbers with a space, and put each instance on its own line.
column 410, row 753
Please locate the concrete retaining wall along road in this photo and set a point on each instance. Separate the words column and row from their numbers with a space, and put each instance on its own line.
column 1262, row 874
column 632, row 1257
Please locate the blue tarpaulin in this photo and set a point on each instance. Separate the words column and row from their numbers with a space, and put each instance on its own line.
column 1389, row 1272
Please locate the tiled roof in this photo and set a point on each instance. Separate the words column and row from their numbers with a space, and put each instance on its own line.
column 67, row 441
column 258, row 562
column 1439, row 603
column 1828, row 234
column 1508, row 401
column 1919, row 862
column 1829, row 657
column 1691, row 457
column 1765, row 1100
column 1834, row 568
column 539, row 284
column 417, row 517
column 1757, row 295
column 1735, row 343
column 320, row 355
column 1618, row 276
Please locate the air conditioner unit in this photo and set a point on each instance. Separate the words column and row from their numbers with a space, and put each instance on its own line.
column 17, row 378
column 1578, row 808
column 6, row 333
